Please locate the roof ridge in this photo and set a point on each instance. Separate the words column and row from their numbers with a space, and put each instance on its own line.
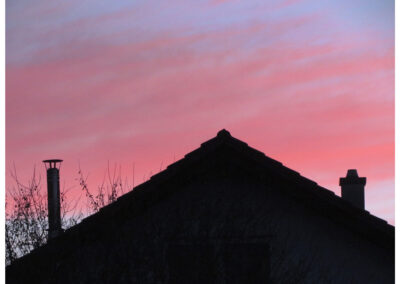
column 224, row 137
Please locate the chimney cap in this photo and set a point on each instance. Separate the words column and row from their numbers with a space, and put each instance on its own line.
column 52, row 163
column 352, row 173
column 352, row 178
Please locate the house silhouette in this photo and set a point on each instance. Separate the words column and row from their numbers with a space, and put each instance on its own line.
column 225, row 213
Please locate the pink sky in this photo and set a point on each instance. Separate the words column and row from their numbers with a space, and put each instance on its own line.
column 310, row 85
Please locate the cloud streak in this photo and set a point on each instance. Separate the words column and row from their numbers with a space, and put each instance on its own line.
column 319, row 101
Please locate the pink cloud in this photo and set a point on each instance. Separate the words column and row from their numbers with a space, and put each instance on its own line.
column 317, row 108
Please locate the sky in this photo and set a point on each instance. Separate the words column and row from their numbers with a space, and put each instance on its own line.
column 138, row 84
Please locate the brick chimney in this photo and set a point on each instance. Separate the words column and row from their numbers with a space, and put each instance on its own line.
column 53, row 197
column 353, row 188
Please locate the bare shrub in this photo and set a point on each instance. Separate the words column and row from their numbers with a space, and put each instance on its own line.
column 107, row 192
column 26, row 225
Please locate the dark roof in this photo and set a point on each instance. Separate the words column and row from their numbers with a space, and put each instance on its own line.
column 324, row 201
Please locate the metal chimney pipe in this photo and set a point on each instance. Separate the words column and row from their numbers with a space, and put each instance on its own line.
column 53, row 197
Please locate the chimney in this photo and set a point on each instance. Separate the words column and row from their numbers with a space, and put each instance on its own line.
column 353, row 188
column 53, row 197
